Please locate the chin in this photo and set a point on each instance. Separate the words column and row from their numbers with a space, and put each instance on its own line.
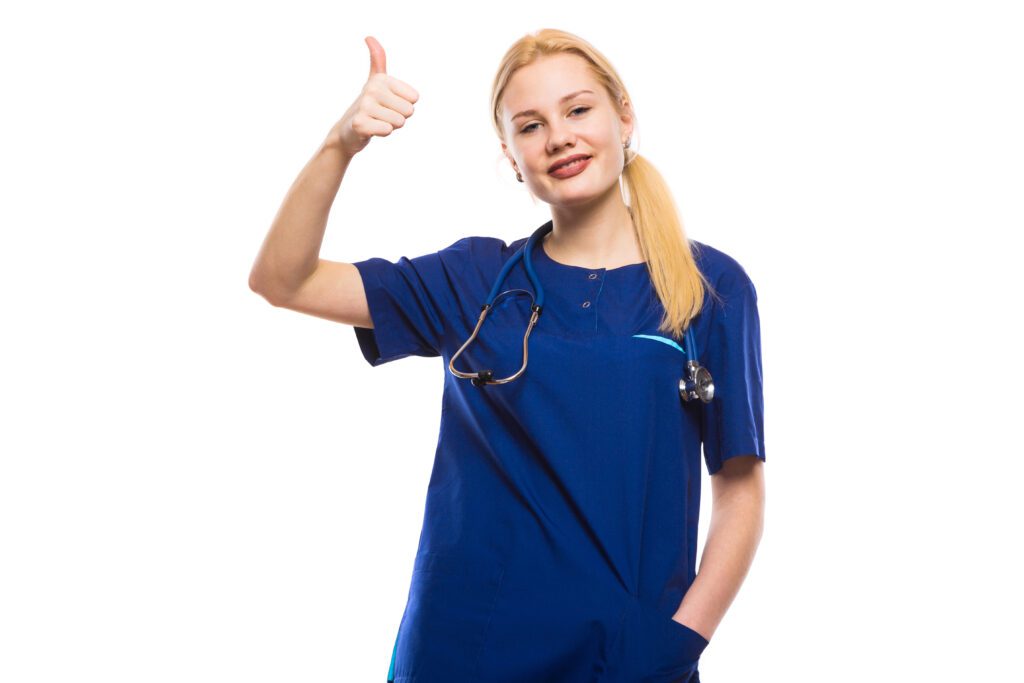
column 578, row 196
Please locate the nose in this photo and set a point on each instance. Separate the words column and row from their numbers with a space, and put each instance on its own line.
column 560, row 136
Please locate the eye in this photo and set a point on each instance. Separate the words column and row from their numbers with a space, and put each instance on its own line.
column 529, row 128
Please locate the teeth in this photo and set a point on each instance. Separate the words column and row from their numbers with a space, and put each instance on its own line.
column 571, row 164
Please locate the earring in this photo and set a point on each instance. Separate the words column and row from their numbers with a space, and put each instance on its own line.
column 628, row 158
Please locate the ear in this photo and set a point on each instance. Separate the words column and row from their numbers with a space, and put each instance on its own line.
column 627, row 119
column 508, row 154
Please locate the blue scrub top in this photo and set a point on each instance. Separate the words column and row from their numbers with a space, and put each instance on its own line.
column 560, row 528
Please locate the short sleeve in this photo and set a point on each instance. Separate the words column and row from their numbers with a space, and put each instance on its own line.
column 733, row 422
column 409, row 301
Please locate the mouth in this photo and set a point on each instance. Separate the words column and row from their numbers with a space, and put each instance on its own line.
column 568, row 160
column 570, row 166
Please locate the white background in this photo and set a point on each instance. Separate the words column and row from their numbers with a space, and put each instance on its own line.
column 197, row 486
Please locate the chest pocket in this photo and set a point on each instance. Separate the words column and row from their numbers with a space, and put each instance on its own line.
column 663, row 340
column 659, row 360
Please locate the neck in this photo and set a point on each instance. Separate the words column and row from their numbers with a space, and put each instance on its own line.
column 601, row 235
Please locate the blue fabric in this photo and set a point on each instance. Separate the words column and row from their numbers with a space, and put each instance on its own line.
column 560, row 529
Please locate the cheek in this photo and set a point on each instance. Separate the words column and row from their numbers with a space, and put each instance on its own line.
column 534, row 155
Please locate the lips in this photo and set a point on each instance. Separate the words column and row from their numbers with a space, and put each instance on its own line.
column 567, row 160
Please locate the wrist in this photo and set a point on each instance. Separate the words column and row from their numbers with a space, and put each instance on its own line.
column 333, row 146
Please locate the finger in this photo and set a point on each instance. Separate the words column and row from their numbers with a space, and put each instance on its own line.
column 395, row 101
column 403, row 90
column 369, row 126
column 387, row 115
column 378, row 61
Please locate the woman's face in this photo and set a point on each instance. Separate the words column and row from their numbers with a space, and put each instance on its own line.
column 553, row 129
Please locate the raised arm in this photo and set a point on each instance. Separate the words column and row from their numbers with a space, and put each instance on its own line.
column 288, row 271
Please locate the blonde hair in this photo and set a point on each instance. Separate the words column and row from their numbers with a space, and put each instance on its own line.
column 677, row 280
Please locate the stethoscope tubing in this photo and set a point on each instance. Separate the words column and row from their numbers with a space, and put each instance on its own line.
column 688, row 386
column 524, row 254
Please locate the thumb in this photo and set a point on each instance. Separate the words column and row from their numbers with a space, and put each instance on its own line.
column 378, row 62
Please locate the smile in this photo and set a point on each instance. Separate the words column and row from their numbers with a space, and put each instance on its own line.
column 571, row 169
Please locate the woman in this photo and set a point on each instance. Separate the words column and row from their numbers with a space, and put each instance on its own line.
column 559, row 536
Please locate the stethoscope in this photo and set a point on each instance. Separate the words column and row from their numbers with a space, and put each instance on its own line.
column 696, row 384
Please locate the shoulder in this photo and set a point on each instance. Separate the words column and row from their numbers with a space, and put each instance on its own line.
column 475, row 246
column 474, row 261
column 487, row 252
column 723, row 271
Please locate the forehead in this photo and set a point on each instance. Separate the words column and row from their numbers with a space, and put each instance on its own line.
column 543, row 83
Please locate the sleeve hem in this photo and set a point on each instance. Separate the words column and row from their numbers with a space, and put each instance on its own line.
column 382, row 343
column 716, row 464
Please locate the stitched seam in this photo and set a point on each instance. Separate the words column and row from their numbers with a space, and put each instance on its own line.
column 487, row 626
column 597, row 299
column 612, row 645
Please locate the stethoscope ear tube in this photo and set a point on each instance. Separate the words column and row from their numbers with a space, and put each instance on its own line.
column 482, row 378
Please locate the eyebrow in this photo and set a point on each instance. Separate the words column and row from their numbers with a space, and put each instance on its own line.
column 534, row 112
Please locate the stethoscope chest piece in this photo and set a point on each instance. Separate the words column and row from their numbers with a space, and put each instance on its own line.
column 697, row 384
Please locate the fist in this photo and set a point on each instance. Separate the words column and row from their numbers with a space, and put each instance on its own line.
column 384, row 104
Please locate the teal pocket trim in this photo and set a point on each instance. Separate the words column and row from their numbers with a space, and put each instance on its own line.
column 394, row 651
column 664, row 340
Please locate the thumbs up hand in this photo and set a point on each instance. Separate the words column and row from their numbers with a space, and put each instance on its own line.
column 383, row 105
